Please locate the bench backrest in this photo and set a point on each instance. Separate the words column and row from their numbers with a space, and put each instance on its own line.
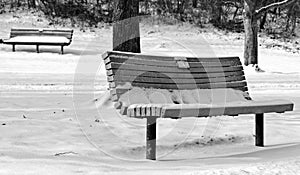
column 68, row 33
column 127, row 70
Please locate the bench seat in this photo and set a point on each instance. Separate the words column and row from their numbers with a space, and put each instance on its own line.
column 208, row 110
column 40, row 40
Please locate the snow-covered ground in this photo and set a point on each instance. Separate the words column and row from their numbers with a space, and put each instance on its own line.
column 54, row 117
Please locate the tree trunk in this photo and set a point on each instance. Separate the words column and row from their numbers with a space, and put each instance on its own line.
column 263, row 21
column 12, row 4
column 126, row 32
column 195, row 3
column 217, row 13
column 180, row 9
column 251, row 34
column 294, row 24
column 33, row 4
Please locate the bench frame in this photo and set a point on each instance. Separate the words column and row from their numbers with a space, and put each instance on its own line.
column 151, row 135
column 151, row 112
column 37, row 45
column 68, row 33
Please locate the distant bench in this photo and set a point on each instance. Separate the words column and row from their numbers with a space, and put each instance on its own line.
column 219, row 77
column 38, row 37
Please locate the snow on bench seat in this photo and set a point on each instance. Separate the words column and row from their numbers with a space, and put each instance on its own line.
column 38, row 39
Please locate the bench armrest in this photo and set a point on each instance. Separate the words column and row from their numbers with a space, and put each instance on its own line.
column 144, row 110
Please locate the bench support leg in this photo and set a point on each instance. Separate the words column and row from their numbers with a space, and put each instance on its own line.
column 151, row 138
column 62, row 50
column 259, row 127
column 13, row 48
column 37, row 49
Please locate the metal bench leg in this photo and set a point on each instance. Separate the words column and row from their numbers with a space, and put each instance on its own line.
column 62, row 50
column 259, row 136
column 151, row 138
column 37, row 49
column 13, row 48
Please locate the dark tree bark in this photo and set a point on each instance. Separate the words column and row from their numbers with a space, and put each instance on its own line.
column 195, row 3
column 217, row 13
column 31, row 4
column 12, row 4
column 251, row 31
column 180, row 8
column 126, row 32
column 263, row 21
column 253, row 10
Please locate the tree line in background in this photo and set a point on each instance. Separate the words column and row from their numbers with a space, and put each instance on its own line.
column 276, row 17
column 225, row 14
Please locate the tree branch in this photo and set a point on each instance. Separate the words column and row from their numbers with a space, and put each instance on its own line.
column 273, row 5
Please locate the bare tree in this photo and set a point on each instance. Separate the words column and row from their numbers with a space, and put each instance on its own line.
column 253, row 10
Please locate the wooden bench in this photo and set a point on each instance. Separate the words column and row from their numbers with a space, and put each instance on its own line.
column 51, row 37
column 128, row 70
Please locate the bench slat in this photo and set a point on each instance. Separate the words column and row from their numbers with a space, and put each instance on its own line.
column 172, row 63
column 128, row 55
column 115, row 67
column 67, row 35
column 166, row 80
column 41, row 32
column 188, row 75
column 36, row 29
column 184, row 86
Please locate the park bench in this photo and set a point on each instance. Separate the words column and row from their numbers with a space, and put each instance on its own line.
column 212, row 76
column 38, row 37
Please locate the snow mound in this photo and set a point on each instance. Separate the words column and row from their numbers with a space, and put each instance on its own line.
column 162, row 96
